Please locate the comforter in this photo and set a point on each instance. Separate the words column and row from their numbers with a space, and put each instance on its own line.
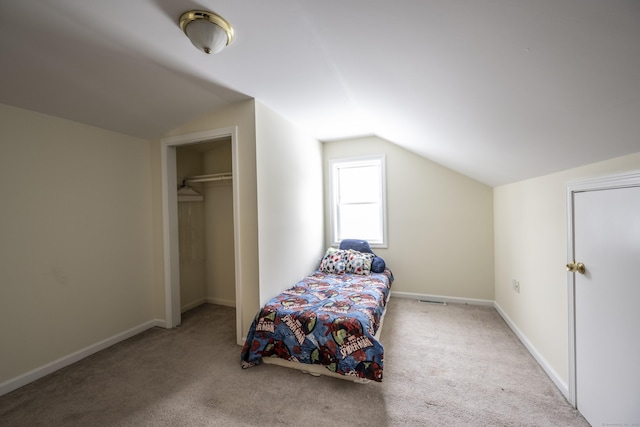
column 326, row 319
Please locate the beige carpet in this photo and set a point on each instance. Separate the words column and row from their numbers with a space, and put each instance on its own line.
column 450, row 365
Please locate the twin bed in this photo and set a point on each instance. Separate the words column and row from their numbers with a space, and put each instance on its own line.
column 329, row 322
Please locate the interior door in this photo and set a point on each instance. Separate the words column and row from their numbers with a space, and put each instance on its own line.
column 607, row 305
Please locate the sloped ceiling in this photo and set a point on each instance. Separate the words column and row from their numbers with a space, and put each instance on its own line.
column 498, row 90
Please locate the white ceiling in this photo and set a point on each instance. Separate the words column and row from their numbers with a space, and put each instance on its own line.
column 499, row 90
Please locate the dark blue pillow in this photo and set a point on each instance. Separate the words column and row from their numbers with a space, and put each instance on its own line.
column 377, row 265
column 356, row 245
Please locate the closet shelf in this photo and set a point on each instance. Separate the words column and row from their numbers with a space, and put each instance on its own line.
column 211, row 177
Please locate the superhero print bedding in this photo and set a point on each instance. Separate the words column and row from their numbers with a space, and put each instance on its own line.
column 327, row 319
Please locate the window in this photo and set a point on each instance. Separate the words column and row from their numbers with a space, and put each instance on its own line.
column 358, row 200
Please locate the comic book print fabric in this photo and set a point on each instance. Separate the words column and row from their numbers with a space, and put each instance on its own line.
column 327, row 319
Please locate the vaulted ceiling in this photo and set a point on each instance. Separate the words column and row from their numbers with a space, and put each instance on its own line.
column 498, row 90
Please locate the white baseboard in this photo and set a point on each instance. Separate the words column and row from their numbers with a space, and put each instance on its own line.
column 440, row 298
column 192, row 304
column 24, row 379
column 207, row 300
column 220, row 301
column 161, row 323
column 557, row 380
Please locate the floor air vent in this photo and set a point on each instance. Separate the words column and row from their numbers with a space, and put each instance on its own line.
column 432, row 302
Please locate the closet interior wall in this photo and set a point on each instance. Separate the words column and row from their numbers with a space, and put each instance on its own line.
column 207, row 264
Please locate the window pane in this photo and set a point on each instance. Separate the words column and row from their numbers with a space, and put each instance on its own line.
column 359, row 184
column 360, row 221
column 357, row 197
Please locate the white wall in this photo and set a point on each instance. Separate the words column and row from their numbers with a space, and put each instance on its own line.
column 531, row 246
column 193, row 258
column 220, row 268
column 76, row 244
column 440, row 223
column 290, row 202
column 191, row 233
column 218, row 199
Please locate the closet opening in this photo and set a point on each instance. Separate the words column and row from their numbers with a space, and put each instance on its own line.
column 205, row 224
column 200, row 223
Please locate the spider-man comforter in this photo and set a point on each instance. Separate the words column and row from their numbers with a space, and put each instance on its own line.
column 327, row 319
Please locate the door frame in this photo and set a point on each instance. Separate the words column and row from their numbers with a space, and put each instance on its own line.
column 610, row 182
column 170, row 220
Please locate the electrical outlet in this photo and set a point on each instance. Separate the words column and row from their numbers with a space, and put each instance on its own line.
column 515, row 285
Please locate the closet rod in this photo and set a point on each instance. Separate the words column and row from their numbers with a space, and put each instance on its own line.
column 211, row 177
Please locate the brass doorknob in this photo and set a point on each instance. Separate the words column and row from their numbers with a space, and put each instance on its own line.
column 573, row 267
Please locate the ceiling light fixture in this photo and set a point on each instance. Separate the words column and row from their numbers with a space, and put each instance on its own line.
column 207, row 31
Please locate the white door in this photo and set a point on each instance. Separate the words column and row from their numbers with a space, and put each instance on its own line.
column 607, row 305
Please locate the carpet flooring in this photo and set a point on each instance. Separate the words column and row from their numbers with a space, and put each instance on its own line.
column 445, row 365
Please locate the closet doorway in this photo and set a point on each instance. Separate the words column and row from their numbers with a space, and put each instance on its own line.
column 200, row 222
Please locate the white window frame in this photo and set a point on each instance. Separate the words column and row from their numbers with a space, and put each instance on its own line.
column 334, row 166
